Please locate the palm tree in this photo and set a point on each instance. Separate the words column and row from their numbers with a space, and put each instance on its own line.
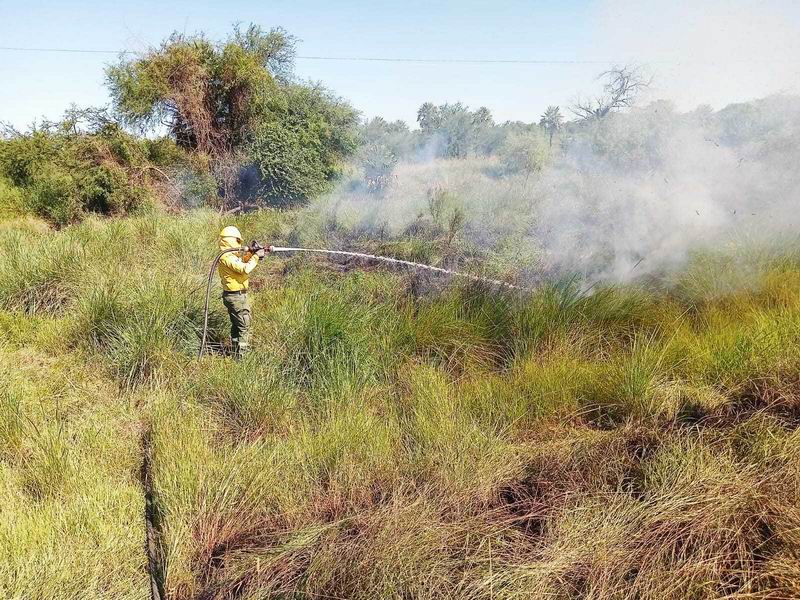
column 551, row 121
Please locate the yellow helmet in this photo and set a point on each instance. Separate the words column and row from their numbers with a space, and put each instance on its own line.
column 230, row 231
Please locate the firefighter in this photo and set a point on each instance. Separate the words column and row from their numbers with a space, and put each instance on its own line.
column 234, row 271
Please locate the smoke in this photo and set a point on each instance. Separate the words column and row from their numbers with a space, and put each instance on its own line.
column 626, row 196
column 635, row 193
column 647, row 188
column 708, row 52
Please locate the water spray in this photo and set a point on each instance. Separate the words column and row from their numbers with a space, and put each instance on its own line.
column 397, row 261
column 373, row 257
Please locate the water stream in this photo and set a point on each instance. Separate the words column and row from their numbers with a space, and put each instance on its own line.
column 397, row 261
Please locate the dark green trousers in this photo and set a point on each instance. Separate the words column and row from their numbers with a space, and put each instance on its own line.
column 239, row 312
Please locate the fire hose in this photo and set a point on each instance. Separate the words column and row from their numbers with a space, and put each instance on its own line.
column 255, row 246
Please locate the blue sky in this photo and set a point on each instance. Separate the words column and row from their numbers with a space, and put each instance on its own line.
column 694, row 49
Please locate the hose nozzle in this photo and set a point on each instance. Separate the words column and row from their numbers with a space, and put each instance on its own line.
column 255, row 247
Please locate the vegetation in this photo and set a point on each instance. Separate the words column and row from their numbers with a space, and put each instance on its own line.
column 526, row 151
column 453, row 127
column 237, row 133
column 620, row 90
column 83, row 164
column 398, row 434
column 551, row 121
column 267, row 139
column 71, row 523
column 387, row 442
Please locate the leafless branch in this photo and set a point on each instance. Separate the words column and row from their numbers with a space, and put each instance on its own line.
column 8, row 131
column 623, row 85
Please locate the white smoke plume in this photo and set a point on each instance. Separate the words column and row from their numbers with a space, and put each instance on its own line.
column 661, row 185
column 651, row 186
column 704, row 51
column 637, row 192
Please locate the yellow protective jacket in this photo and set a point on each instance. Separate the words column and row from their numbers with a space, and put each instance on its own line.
column 234, row 269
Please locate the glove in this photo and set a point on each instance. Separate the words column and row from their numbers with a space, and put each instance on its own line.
column 261, row 253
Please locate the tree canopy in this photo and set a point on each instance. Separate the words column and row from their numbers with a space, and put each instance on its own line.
column 551, row 121
column 620, row 90
column 235, row 102
column 456, row 129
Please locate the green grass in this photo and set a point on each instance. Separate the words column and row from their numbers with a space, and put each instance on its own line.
column 72, row 503
column 392, row 437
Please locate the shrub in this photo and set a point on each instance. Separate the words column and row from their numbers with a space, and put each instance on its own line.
column 525, row 152
column 66, row 174
column 54, row 196
column 299, row 148
column 378, row 163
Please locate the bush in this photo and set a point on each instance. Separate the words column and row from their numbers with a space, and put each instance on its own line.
column 299, row 149
column 525, row 152
column 67, row 174
column 54, row 196
column 378, row 163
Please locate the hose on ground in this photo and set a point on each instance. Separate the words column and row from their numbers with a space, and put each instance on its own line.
column 208, row 295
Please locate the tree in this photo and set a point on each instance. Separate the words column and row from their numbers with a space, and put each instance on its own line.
column 298, row 149
column 482, row 124
column 622, row 86
column 395, row 136
column 482, row 117
column 225, row 101
column 208, row 95
column 429, row 117
column 457, row 129
column 551, row 121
